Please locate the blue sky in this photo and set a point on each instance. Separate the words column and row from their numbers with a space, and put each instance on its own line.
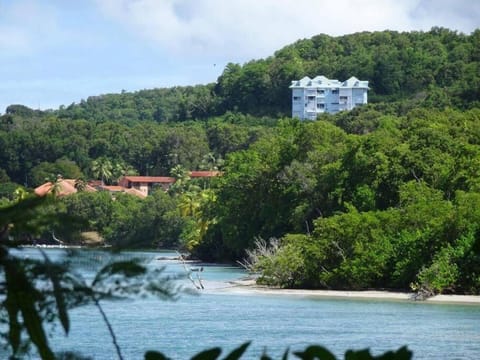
column 55, row 52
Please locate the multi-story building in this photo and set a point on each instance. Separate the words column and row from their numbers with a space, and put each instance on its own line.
column 311, row 97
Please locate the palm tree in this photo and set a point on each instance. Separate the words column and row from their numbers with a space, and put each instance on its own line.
column 80, row 185
column 182, row 179
column 211, row 163
column 120, row 169
column 102, row 168
column 189, row 204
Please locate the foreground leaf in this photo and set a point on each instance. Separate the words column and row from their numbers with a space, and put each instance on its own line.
column 238, row 352
column 210, row 354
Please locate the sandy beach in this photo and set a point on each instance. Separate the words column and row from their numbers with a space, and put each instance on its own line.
column 249, row 287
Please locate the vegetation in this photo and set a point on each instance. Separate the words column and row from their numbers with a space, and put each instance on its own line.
column 381, row 196
column 391, row 208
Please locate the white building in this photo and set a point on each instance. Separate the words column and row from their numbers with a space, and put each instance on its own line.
column 311, row 97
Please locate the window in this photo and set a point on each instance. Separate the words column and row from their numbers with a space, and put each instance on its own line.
column 297, row 98
column 334, row 91
column 321, row 106
column 320, row 92
column 311, row 98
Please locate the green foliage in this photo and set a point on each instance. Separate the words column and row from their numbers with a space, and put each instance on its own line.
column 387, row 203
column 144, row 223
column 46, row 171
column 442, row 274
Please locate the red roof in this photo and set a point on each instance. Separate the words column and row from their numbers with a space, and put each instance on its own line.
column 150, row 179
column 64, row 187
column 205, row 173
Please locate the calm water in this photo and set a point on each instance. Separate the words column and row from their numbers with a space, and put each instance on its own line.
column 219, row 318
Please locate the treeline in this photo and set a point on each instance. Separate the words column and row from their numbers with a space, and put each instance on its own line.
column 437, row 68
column 34, row 149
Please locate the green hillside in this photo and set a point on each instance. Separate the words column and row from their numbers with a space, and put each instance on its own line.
column 437, row 68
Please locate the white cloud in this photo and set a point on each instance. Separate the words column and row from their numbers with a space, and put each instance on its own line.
column 252, row 28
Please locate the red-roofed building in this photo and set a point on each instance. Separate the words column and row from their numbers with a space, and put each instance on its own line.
column 146, row 183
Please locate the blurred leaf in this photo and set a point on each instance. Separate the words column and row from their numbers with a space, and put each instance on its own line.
column 25, row 295
column 155, row 355
column 401, row 354
column 238, row 352
column 315, row 352
column 57, row 293
column 210, row 354
column 14, row 326
column 129, row 268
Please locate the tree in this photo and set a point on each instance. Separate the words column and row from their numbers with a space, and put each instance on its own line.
column 63, row 167
column 102, row 168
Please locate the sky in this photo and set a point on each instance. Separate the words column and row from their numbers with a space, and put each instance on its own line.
column 57, row 52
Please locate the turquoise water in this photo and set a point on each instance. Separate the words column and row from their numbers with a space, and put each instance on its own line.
column 219, row 318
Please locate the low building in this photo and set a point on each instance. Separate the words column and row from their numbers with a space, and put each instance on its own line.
column 145, row 184
column 311, row 97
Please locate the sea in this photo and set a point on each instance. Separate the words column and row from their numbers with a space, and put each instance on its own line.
column 214, row 316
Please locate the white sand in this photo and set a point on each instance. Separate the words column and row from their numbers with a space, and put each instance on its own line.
column 249, row 287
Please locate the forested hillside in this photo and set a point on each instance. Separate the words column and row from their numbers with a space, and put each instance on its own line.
column 437, row 68
column 385, row 195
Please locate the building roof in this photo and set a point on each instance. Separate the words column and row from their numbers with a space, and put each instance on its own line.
column 150, row 179
column 63, row 187
column 354, row 82
column 324, row 82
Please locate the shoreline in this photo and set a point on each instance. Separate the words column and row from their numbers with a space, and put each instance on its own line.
column 250, row 287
